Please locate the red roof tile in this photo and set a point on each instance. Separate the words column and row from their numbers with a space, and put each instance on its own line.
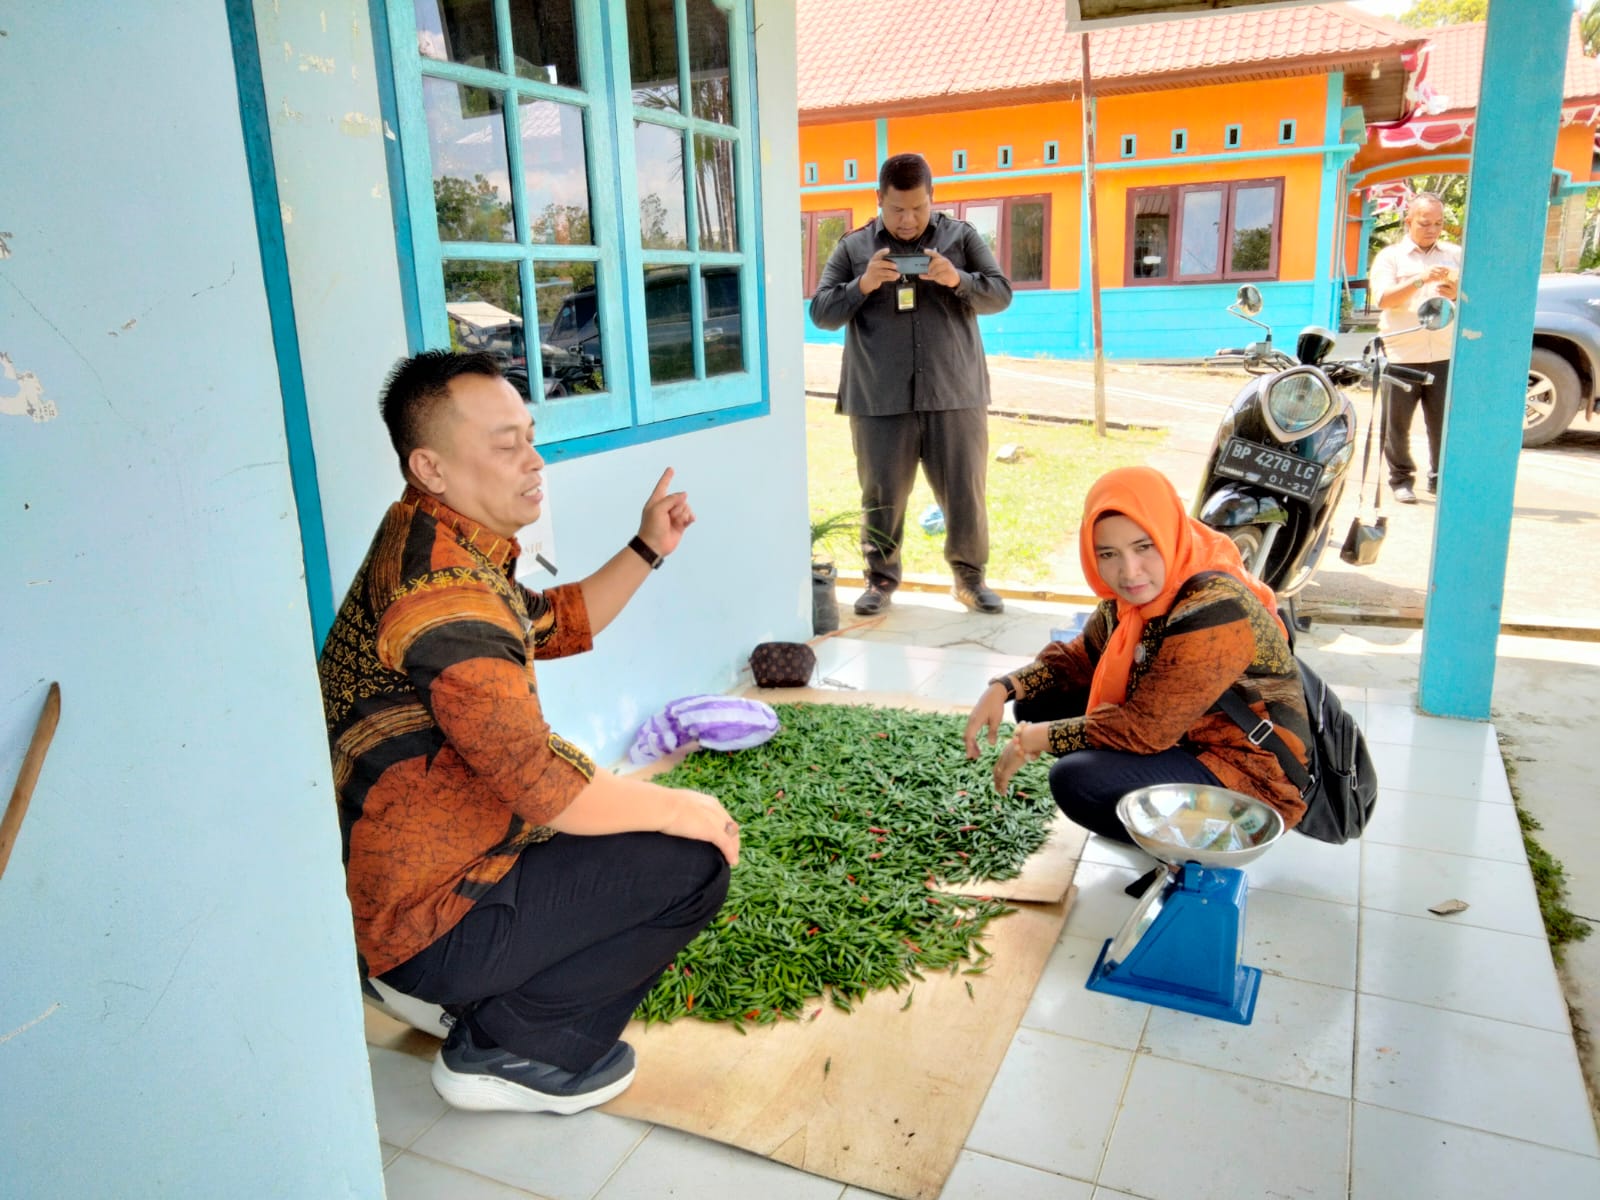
column 862, row 53
column 1456, row 64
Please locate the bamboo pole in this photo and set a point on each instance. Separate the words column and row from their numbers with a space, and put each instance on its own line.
column 1094, row 244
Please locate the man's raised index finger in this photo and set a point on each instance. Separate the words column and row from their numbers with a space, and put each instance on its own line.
column 661, row 485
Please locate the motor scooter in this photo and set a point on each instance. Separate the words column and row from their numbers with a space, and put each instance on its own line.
column 1283, row 451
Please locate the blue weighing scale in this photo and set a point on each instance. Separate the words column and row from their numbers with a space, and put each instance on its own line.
column 1182, row 944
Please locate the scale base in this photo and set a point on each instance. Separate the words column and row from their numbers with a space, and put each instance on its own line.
column 1180, row 948
column 1240, row 1008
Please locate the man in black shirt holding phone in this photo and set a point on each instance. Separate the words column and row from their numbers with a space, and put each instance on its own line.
column 907, row 288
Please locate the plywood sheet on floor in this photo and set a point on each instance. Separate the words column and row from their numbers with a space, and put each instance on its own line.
column 882, row 1098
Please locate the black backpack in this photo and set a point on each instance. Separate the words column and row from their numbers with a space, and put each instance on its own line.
column 1342, row 787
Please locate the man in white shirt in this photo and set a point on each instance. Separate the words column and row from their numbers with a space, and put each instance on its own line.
column 1419, row 266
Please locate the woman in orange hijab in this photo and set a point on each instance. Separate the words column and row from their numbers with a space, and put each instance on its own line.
column 1129, row 701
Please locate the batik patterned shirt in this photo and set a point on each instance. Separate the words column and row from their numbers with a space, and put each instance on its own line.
column 443, row 762
column 1216, row 636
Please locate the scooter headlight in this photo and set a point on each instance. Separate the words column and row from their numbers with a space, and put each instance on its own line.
column 1298, row 402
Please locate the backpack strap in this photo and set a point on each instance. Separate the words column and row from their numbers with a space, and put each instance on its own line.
column 1262, row 732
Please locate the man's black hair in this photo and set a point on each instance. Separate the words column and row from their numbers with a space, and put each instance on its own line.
column 905, row 173
column 417, row 386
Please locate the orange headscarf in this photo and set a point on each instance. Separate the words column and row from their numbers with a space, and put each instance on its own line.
column 1148, row 499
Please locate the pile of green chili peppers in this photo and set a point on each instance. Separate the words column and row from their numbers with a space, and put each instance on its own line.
column 848, row 816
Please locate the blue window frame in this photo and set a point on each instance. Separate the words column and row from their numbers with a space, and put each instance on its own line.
column 811, row 172
column 958, row 161
column 588, row 165
column 1233, row 136
column 850, row 170
column 1180, row 141
column 1003, row 156
column 1052, row 152
column 1285, row 133
column 1130, row 145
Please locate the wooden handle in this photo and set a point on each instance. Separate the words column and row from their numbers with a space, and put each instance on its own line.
column 32, row 761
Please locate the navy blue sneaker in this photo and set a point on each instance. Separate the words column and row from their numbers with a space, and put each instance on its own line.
column 489, row 1079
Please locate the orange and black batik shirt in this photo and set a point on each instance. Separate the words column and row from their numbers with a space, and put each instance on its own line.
column 444, row 765
column 1217, row 635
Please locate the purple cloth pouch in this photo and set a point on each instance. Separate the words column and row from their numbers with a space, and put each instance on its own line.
column 716, row 722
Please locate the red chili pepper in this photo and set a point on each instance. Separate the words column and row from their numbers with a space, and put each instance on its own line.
column 851, row 878
column 816, row 1014
column 875, row 854
column 691, row 1002
column 814, row 767
column 962, row 792
column 752, row 1014
column 686, row 970
column 965, row 828
column 732, row 917
column 876, row 829
column 778, row 795
column 813, row 931
column 880, row 735
column 963, row 854
column 933, row 900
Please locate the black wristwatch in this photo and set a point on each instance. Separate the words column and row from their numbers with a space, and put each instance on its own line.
column 640, row 547
column 1005, row 682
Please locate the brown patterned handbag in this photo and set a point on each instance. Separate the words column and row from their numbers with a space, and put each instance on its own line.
column 782, row 664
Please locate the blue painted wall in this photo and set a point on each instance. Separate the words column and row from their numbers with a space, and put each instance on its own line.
column 178, row 1014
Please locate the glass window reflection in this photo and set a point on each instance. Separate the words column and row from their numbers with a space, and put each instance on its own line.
column 1027, row 243
column 714, row 193
column 1253, row 211
column 724, row 328
column 1200, row 219
column 460, row 31
column 569, row 328
column 471, row 182
column 669, row 323
column 653, row 53
column 555, row 173
column 544, row 42
column 658, row 154
column 483, row 301
column 710, row 85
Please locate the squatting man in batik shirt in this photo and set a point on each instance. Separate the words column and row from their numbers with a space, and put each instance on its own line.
column 492, row 868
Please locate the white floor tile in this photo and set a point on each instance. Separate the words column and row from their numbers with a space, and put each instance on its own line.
column 1496, row 788
column 405, row 1099
column 1430, row 960
column 958, row 682
column 835, row 654
column 1062, row 1004
column 1100, row 906
column 1401, row 880
column 1479, row 828
column 1403, row 697
column 1303, row 866
column 882, row 668
column 1490, row 1075
column 1405, row 726
column 855, row 1193
column 412, row 1178
column 1429, row 769
column 1397, row 1154
column 1292, row 936
column 1052, row 1104
column 670, row 1163
column 533, row 1151
column 1116, row 854
column 1300, row 1036
column 388, row 1152
column 1186, row 1133
column 980, row 1177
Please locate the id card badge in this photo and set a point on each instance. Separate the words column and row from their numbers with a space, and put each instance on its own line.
column 905, row 297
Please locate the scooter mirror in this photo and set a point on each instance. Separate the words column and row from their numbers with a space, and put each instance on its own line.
column 1248, row 298
column 1436, row 313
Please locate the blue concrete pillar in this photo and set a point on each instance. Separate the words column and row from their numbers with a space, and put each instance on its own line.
column 1508, row 193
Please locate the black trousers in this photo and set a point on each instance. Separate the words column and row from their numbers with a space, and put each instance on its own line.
column 953, row 448
column 554, row 959
column 1087, row 784
column 1399, row 408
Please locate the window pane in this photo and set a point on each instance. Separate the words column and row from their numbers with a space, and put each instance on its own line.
column 483, row 301
column 669, row 323
column 653, row 53
column 713, row 169
column 569, row 328
column 1152, row 232
column 658, row 155
column 1201, row 220
column 724, row 337
column 1027, row 243
column 458, row 31
column 555, row 173
column 829, row 230
column 544, row 41
column 467, row 139
column 1253, row 212
column 710, row 87
column 985, row 218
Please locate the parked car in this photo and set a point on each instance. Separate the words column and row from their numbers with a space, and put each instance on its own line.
column 1564, row 372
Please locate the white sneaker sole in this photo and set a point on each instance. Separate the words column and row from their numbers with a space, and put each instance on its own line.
column 490, row 1093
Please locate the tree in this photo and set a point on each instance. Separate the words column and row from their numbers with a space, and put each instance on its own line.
column 471, row 212
column 1589, row 28
column 1425, row 13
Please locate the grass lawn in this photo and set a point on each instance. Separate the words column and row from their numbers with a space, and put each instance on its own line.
column 1034, row 503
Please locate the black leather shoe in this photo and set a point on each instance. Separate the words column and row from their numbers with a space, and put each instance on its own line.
column 1433, row 485
column 978, row 596
column 871, row 602
column 1404, row 495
